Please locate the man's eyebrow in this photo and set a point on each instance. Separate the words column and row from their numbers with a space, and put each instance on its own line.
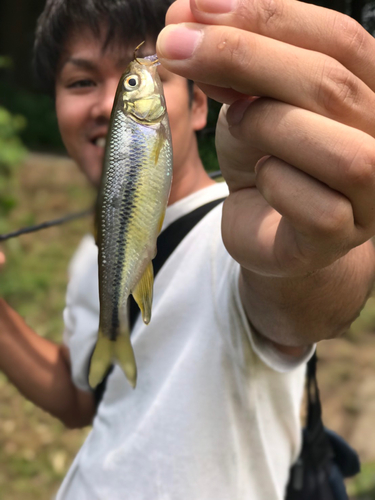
column 80, row 63
column 91, row 65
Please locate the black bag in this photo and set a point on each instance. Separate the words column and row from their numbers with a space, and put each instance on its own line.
column 325, row 459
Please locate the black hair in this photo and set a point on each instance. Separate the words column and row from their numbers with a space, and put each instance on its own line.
column 191, row 92
column 130, row 20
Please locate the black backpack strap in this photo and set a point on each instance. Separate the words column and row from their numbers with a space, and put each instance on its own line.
column 323, row 443
column 315, row 438
column 316, row 449
column 167, row 242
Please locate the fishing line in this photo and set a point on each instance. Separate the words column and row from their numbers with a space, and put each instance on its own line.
column 44, row 225
column 66, row 218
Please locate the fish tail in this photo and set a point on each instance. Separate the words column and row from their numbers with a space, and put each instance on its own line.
column 108, row 351
column 124, row 355
column 101, row 360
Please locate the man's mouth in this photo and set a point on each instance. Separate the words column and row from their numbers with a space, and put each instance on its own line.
column 99, row 142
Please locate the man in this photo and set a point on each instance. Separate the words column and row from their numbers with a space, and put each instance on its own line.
column 221, row 365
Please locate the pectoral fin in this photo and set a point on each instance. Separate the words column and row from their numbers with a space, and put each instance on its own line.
column 158, row 147
column 143, row 293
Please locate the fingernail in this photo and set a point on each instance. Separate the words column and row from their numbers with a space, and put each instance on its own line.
column 236, row 111
column 177, row 41
column 261, row 162
column 215, row 6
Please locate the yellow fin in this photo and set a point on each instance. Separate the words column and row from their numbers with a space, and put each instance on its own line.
column 123, row 353
column 143, row 293
column 108, row 351
column 158, row 146
column 161, row 222
column 101, row 360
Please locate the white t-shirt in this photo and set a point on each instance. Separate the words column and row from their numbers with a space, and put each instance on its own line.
column 215, row 414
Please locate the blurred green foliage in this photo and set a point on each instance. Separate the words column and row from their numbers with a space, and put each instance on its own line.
column 11, row 147
column 5, row 62
column 362, row 486
column 41, row 133
column 12, row 152
column 206, row 138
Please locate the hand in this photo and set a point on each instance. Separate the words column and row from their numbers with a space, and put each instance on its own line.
column 299, row 160
column 2, row 259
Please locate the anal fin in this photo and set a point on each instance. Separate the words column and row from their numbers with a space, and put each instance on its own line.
column 161, row 221
column 143, row 293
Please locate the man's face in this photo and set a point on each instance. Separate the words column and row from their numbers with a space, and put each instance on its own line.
column 85, row 88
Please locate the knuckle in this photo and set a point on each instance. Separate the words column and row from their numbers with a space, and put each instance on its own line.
column 260, row 14
column 353, row 36
column 333, row 220
column 270, row 11
column 234, row 47
column 360, row 169
column 339, row 89
column 238, row 49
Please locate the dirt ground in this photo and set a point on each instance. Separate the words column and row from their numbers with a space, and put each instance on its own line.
column 346, row 376
column 35, row 449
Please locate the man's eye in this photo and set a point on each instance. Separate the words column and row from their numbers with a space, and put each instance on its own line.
column 81, row 84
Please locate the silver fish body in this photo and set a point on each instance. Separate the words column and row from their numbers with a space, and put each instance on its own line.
column 134, row 193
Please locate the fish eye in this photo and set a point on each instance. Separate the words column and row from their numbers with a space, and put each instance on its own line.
column 131, row 82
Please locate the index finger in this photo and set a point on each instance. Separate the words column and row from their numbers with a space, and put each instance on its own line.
column 256, row 65
column 296, row 23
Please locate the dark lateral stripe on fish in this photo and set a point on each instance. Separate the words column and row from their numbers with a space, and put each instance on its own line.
column 128, row 204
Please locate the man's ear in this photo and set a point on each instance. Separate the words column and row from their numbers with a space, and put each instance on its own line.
column 199, row 108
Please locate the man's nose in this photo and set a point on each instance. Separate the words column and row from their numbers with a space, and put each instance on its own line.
column 103, row 105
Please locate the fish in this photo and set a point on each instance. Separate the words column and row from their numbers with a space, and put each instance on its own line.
column 132, row 200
